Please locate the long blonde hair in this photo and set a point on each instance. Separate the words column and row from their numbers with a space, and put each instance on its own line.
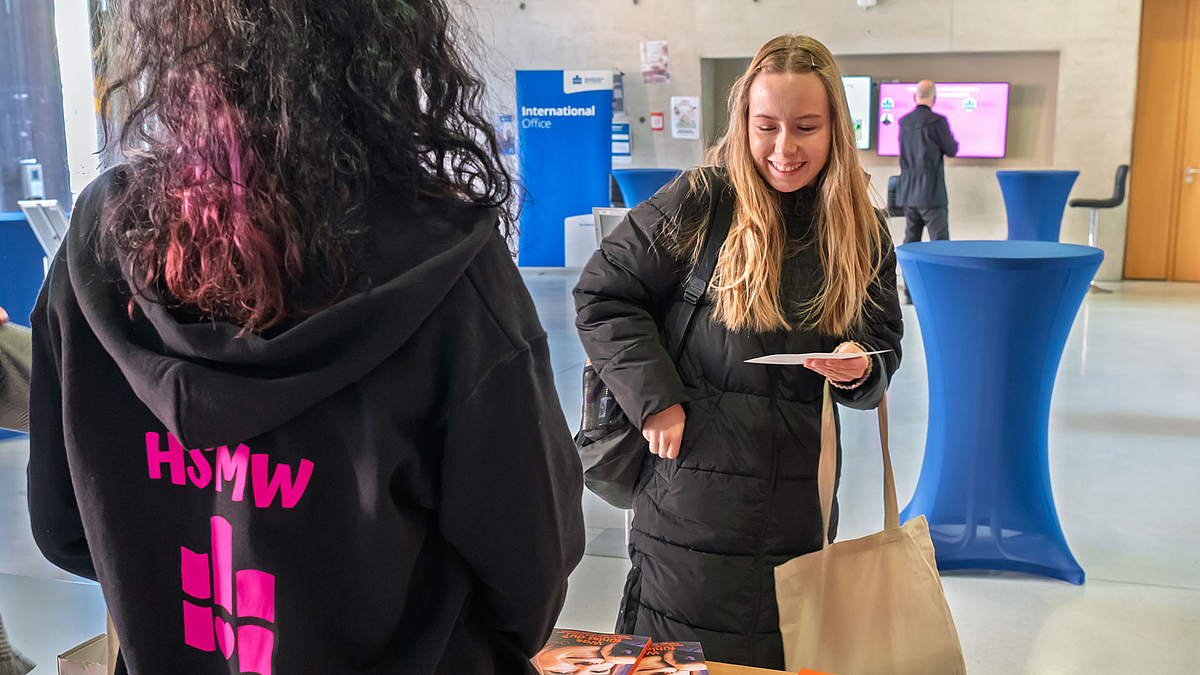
column 746, row 282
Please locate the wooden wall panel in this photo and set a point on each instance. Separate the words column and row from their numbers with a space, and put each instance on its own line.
column 1186, row 244
column 1155, row 172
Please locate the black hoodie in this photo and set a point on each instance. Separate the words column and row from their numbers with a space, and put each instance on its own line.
column 386, row 486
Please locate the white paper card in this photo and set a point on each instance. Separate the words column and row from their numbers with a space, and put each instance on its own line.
column 798, row 359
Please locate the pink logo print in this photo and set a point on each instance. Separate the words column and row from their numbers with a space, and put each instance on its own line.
column 254, row 595
column 220, row 468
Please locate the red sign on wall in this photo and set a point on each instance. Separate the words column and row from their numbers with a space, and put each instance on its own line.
column 658, row 121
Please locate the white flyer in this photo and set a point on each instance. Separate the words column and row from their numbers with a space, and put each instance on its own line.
column 799, row 359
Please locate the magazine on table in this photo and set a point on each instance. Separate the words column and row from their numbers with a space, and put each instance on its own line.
column 579, row 652
column 672, row 658
column 574, row 652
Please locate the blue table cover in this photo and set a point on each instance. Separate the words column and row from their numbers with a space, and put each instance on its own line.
column 1035, row 201
column 638, row 185
column 994, row 319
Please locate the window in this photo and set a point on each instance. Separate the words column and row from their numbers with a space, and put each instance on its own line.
column 47, row 150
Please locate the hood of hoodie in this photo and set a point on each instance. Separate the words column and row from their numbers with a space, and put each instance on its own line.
column 208, row 383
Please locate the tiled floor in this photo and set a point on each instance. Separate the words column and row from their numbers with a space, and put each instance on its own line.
column 1125, row 465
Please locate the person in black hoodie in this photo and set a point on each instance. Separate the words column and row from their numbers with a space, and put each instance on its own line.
column 291, row 404
column 728, row 489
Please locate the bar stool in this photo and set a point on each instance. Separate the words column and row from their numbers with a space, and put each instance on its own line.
column 1118, row 197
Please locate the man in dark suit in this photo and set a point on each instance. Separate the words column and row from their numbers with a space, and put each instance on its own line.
column 925, row 140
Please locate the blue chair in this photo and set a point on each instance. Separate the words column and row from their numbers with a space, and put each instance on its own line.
column 1035, row 202
column 638, row 185
column 994, row 317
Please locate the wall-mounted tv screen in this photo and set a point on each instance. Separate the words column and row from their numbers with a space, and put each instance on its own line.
column 977, row 112
column 858, row 97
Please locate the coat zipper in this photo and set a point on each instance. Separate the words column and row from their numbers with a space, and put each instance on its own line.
column 762, row 534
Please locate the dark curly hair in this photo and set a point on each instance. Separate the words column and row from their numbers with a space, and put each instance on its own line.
column 252, row 131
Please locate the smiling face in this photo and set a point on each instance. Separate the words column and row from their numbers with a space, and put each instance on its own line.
column 789, row 128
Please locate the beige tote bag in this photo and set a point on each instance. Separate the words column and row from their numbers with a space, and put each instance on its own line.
column 16, row 354
column 113, row 645
column 870, row 606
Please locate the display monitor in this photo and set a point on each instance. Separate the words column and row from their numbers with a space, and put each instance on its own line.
column 858, row 98
column 977, row 113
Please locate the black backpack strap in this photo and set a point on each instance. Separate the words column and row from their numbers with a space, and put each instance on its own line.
column 720, row 217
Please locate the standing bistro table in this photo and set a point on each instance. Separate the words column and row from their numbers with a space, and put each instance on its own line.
column 1035, row 202
column 994, row 318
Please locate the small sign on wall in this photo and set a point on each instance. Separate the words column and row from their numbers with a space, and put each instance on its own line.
column 618, row 93
column 622, row 143
column 685, row 117
column 658, row 121
column 656, row 67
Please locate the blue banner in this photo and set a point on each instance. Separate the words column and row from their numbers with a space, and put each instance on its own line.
column 564, row 126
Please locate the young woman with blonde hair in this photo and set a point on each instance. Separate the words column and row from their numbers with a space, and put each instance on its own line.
column 728, row 490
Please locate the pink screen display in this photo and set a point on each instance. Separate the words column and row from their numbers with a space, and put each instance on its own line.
column 977, row 112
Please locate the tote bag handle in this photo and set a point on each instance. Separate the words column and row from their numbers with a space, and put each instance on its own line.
column 827, row 469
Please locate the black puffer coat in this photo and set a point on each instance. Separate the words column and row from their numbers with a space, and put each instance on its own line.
column 710, row 526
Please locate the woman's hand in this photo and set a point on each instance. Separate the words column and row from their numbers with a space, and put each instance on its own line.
column 664, row 431
column 3, row 316
column 841, row 370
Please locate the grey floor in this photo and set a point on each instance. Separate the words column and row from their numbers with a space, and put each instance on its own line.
column 1125, row 465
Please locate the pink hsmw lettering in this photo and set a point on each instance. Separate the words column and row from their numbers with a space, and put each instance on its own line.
column 223, row 469
column 250, row 592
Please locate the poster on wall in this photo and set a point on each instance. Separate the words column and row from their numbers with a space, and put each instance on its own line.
column 618, row 94
column 622, row 143
column 685, row 117
column 506, row 135
column 655, row 67
column 657, row 121
column 858, row 100
column 559, row 110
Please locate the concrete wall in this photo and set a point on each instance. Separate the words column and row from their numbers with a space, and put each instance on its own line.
column 1096, row 42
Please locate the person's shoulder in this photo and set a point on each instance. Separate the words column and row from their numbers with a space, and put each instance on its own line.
column 684, row 188
column 498, row 291
column 83, row 240
column 110, row 181
column 95, row 196
column 687, row 196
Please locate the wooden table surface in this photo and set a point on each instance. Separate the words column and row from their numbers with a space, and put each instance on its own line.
column 724, row 669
